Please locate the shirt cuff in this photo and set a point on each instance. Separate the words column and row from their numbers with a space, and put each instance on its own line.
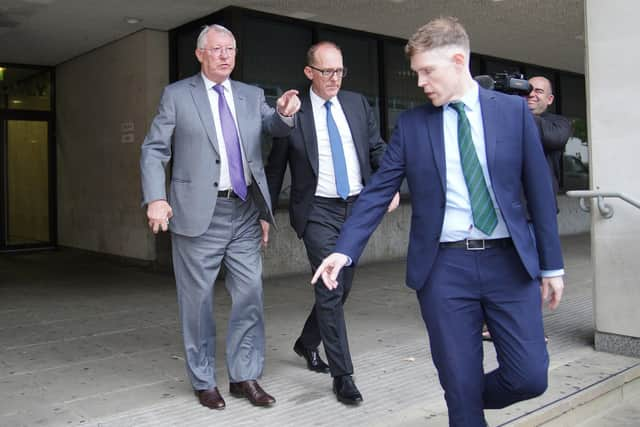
column 288, row 120
column 552, row 273
column 349, row 260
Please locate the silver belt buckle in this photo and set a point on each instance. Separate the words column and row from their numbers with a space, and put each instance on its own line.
column 481, row 248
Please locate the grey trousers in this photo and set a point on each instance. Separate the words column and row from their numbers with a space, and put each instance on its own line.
column 233, row 238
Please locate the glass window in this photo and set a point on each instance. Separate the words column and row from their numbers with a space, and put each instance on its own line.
column 360, row 56
column 401, row 84
column 572, row 104
column 186, row 62
column 25, row 89
column 273, row 56
column 573, row 100
column 493, row 66
column 475, row 65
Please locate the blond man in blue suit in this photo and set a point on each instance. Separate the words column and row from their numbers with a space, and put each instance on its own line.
column 468, row 156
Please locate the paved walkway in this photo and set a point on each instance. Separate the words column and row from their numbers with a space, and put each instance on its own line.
column 88, row 341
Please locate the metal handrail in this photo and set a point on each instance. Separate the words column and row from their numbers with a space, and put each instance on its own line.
column 605, row 209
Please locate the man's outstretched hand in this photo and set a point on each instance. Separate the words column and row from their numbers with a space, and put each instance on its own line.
column 329, row 270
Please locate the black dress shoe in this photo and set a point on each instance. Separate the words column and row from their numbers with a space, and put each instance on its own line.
column 211, row 398
column 311, row 355
column 346, row 390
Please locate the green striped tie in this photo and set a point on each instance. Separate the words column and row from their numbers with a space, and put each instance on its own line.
column 484, row 214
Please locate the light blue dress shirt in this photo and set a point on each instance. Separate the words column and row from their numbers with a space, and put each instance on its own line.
column 458, row 218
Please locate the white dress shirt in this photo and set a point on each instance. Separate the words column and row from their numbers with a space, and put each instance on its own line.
column 326, row 176
column 225, row 180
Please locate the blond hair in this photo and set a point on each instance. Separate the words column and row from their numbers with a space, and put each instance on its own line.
column 438, row 33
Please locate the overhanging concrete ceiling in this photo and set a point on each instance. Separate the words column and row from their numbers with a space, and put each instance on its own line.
column 543, row 32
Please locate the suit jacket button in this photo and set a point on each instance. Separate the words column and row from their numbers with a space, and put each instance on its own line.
column 215, row 184
column 217, row 161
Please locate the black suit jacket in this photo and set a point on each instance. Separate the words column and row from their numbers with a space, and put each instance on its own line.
column 300, row 151
column 554, row 131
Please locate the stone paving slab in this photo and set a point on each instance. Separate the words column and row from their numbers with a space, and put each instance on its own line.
column 84, row 341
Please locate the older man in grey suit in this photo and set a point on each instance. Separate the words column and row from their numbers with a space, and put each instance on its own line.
column 211, row 128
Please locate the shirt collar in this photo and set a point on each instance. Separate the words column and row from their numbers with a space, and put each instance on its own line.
column 318, row 101
column 471, row 98
column 208, row 84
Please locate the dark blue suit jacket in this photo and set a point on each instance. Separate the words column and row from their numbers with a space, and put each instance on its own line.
column 518, row 171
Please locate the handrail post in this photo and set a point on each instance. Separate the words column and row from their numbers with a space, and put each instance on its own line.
column 606, row 210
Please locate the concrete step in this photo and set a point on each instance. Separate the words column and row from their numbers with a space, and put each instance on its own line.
column 612, row 402
column 593, row 389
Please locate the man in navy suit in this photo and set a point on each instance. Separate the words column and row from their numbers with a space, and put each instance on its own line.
column 336, row 132
column 471, row 256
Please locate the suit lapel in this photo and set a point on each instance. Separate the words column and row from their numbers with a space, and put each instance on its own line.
column 200, row 98
column 240, row 103
column 436, row 135
column 489, row 119
column 308, row 131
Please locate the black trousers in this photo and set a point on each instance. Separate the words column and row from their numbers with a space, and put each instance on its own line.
column 326, row 321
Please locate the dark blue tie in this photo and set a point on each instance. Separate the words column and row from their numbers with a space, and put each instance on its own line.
column 232, row 145
column 337, row 153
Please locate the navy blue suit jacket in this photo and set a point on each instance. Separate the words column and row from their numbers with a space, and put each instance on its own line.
column 518, row 171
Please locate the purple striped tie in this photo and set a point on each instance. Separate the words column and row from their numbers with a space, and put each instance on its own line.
column 232, row 145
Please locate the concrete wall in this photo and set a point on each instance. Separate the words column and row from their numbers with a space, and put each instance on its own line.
column 612, row 42
column 105, row 101
column 286, row 253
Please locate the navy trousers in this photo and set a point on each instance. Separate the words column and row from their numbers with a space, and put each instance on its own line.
column 465, row 289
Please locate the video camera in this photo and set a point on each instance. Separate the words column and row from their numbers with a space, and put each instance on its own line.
column 511, row 83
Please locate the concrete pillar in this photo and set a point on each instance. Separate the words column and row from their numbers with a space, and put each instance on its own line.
column 612, row 63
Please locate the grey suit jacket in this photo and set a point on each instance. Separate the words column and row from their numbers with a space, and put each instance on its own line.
column 183, row 132
column 300, row 151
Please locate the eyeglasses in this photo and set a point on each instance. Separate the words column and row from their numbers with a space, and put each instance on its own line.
column 218, row 50
column 328, row 73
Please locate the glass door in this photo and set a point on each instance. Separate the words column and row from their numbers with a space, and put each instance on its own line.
column 27, row 158
column 27, row 221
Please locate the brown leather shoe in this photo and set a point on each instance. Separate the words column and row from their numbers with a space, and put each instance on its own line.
column 211, row 398
column 252, row 391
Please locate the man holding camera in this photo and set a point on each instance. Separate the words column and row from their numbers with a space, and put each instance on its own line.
column 554, row 130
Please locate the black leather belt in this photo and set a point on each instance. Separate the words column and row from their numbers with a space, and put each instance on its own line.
column 349, row 199
column 229, row 194
column 479, row 244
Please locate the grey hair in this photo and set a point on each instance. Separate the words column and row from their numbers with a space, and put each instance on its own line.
column 218, row 29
